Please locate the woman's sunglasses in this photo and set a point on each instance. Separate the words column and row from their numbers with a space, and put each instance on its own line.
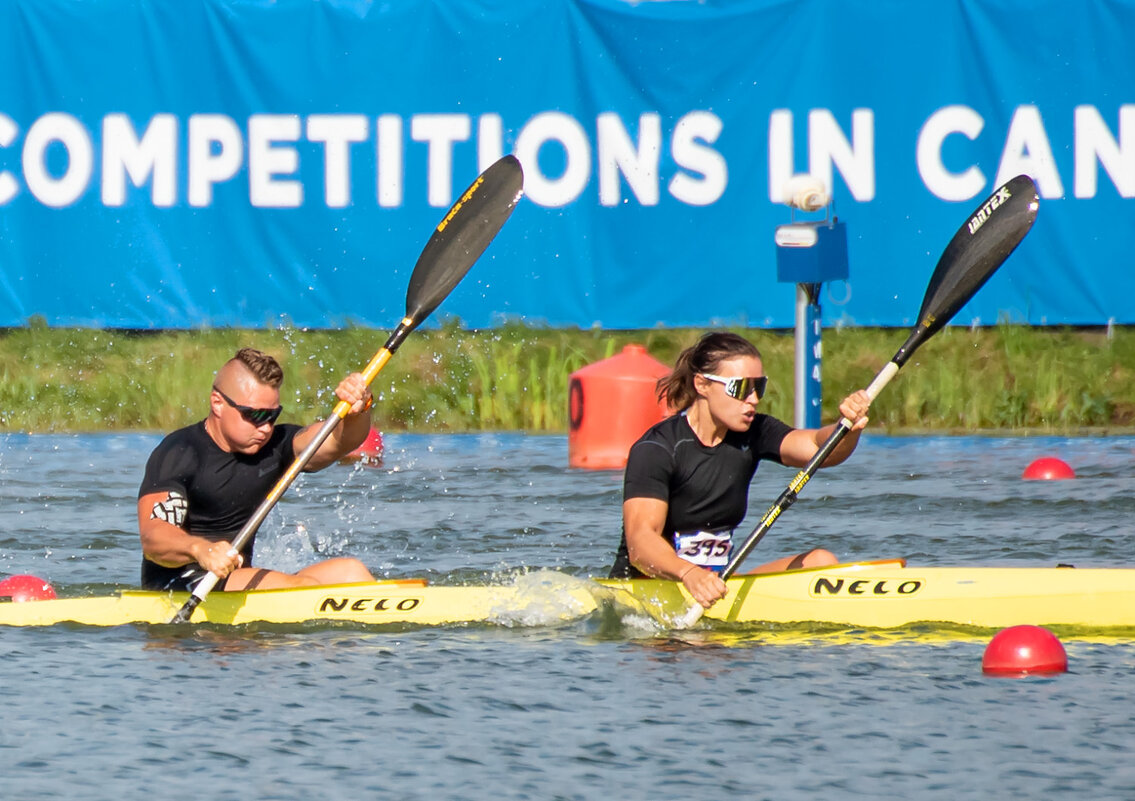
column 257, row 417
column 741, row 388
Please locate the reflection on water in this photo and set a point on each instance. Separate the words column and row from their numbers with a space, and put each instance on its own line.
column 602, row 705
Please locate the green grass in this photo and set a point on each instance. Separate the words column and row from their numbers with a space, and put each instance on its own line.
column 516, row 377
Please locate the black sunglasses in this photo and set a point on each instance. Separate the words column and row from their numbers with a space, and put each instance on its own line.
column 257, row 417
column 741, row 388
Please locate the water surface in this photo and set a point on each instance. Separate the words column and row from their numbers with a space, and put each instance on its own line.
column 591, row 709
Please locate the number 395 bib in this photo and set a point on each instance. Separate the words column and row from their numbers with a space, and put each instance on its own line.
column 708, row 549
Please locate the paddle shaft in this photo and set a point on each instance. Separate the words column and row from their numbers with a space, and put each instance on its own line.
column 788, row 497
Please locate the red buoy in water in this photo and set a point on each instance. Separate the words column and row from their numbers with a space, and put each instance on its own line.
column 1018, row 650
column 610, row 404
column 1048, row 468
column 26, row 588
column 370, row 452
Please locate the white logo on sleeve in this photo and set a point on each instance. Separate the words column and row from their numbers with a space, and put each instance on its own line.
column 172, row 510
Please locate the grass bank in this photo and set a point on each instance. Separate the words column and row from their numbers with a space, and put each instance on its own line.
column 516, row 378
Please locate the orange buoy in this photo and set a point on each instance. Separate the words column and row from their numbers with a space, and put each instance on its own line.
column 370, row 452
column 26, row 588
column 610, row 404
column 1048, row 468
column 1018, row 650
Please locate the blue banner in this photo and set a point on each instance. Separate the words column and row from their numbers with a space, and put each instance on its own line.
column 188, row 163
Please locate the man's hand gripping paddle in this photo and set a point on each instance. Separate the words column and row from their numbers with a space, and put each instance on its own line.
column 459, row 240
column 979, row 247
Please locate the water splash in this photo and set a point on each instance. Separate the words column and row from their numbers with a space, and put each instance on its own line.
column 549, row 598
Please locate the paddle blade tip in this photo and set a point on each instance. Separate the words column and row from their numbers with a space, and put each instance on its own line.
column 689, row 618
column 990, row 234
column 463, row 235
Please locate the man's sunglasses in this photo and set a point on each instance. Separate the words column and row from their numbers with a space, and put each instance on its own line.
column 257, row 417
column 741, row 388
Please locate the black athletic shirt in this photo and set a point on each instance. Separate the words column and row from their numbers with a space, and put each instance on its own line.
column 221, row 490
column 705, row 488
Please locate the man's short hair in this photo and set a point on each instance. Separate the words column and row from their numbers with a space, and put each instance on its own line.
column 266, row 369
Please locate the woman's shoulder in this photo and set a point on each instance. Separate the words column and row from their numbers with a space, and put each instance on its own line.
column 766, row 433
column 670, row 430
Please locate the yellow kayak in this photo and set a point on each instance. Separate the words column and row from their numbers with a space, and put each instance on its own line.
column 878, row 595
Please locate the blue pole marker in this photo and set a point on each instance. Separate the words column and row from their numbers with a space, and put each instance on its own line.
column 808, row 254
column 809, row 355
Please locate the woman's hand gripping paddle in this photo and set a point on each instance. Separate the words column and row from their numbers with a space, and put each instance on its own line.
column 459, row 240
column 979, row 247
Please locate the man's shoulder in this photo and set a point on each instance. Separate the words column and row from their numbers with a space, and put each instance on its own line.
column 173, row 462
column 283, row 434
column 188, row 435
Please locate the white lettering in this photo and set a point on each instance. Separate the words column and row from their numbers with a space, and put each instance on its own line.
column 942, row 123
column 389, row 133
column 266, row 160
column 57, row 155
column 1028, row 152
column 154, row 156
column 781, row 154
column 64, row 129
column 828, row 148
column 490, row 141
column 216, row 151
column 855, row 160
column 1095, row 146
column 690, row 153
column 617, row 153
column 440, row 132
column 554, row 126
column 9, row 186
column 337, row 132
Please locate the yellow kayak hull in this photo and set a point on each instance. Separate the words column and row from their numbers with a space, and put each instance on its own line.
column 876, row 595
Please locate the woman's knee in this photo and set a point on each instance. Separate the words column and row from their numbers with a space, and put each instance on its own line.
column 819, row 557
column 351, row 569
column 340, row 570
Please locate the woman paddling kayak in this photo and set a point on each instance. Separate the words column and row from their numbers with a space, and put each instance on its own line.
column 687, row 478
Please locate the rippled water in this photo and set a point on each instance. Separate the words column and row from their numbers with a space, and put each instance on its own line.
column 586, row 710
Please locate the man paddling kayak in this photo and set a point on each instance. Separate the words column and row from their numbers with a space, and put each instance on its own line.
column 204, row 482
column 687, row 478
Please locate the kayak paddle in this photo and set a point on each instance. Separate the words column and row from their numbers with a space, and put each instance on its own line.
column 979, row 247
column 459, row 240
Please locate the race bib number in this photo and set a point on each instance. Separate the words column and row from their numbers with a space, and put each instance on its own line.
column 708, row 549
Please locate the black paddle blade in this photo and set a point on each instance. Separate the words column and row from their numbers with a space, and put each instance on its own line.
column 462, row 236
column 979, row 247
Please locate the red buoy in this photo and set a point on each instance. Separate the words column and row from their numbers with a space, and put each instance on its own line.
column 610, row 404
column 1048, row 468
column 26, row 588
column 1018, row 650
column 370, row 452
